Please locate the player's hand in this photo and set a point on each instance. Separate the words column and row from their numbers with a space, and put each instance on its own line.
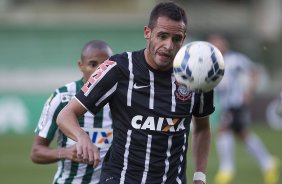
column 69, row 153
column 87, row 152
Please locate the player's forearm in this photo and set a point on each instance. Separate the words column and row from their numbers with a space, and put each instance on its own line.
column 44, row 155
column 201, row 146
column 68, row 123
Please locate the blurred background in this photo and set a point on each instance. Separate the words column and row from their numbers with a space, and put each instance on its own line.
column 40, row 43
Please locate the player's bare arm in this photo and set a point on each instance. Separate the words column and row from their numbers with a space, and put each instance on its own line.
column 67, row 121
column 41, row 153
column 201, row 139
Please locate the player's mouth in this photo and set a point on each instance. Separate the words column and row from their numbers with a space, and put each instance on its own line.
column 165, row 56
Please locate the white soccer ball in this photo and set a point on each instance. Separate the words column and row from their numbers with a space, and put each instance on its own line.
column 199, row 65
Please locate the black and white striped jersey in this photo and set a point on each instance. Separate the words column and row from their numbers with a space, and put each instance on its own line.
column 151, row 116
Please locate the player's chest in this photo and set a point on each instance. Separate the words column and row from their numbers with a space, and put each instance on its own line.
column 156, row 93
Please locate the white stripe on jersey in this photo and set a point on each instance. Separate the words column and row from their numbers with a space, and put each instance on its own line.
column 88, row 120
column 178, row 180
column 152, row 90
column 107, row 121
column 58, row 171
column 111, row 91
column 181, row 160
column 147, row 161
column 64, row 170
column 49, row 109
column 71, row 88
column 169, row 143
column 96, row 175
column 81, row 172
column 125, row 159
column 81, row 104
column 173, row 88
column 47, row 113
column 97, row 172
column 131, row 78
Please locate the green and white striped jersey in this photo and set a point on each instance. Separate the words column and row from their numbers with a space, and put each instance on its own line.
column 98, row 127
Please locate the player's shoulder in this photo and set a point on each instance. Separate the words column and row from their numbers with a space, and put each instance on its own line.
column 70, row 87
column 67, row 91
column 118, row 57
column 124, row 57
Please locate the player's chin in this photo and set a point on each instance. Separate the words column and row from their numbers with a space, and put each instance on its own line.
column 164, row 60
column 163, row 66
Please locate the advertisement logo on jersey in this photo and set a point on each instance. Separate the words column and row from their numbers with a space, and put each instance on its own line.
column 66, row 97
column 100, row 72
column 101, row 137
column 159, row 124
column 182, row 93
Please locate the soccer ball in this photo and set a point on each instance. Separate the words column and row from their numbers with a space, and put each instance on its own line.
column 199, row 65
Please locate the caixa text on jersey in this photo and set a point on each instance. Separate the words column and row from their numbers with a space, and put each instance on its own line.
column 160, row 124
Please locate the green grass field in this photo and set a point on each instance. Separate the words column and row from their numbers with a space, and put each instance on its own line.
column 16, row 166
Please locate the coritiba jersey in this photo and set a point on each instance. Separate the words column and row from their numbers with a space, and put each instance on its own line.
column 98, row 127
column 151, row 119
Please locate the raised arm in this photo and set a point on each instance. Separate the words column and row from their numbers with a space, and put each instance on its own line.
column 201, row 139
column 67, row 121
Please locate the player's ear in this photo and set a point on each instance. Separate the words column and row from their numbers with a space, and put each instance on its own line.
column 79, row 64
column 147, row 32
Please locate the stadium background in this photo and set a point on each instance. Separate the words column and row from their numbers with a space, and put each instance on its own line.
column 40, row 43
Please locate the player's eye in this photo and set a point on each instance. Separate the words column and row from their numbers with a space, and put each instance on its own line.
column 162, row 36
column 177, row 39
column 94, row 64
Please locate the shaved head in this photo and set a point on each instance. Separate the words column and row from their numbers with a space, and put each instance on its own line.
column 92, row 55
column 95, row 45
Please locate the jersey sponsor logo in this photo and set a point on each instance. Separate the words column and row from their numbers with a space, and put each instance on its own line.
column 182, row 93
column 159, row 124
column 97, row 75
column 139, row 87
column 66, row 97
column 101, row 137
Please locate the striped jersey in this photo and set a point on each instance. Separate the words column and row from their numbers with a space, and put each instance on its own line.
column 98, row 127
column 151, row 116
column 235, row 81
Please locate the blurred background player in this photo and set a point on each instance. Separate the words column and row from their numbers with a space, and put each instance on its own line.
column 98, row 127
column 234, row 94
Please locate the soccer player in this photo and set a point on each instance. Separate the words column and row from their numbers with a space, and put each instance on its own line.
column 151, row 112
column 98, row 128
column 235, row 93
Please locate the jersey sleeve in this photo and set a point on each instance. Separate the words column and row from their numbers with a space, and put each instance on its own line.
column 100, row 87
column 204, row 105
column 47, row 125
